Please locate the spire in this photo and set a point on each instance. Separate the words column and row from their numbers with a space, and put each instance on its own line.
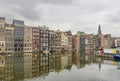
column 99, row 30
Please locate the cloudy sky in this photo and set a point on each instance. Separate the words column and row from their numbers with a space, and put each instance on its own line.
column 74, row 15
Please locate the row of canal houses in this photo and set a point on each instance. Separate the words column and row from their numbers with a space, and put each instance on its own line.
column 18, row 37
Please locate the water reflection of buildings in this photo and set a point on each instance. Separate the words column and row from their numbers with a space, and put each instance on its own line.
column 35, row 64
column 51, row 61
column 79, row 59
column 82, row 58
column 2, row 65
column 75, row 58
column 62, row 61
column 19, row 66
column 9, row 68
column 27, row 65
column 6, row 67
column 47, row 63
column 89, row 58
column 69, row 54
column 44, row 66
column 58, row 62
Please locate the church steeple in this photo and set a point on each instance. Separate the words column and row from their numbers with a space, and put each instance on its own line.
column 99, row 30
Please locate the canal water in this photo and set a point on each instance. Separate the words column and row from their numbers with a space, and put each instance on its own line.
column 58, row 67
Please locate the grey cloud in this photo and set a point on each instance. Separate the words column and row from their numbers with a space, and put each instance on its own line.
column 28, row 8
column 30, row 14
column 91, row 6
column 36, row 1
column 114, row 18
column 25, row 8
column 57, row 1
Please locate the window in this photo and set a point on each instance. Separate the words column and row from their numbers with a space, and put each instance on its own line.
column 2, row 44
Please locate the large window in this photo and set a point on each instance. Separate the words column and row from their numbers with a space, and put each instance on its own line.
column 2, row 44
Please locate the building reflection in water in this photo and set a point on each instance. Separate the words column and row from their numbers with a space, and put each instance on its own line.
column 83, row 57
column 19, row 66
column 35, row 64
column 100, row 61
column 6, row 67
column 28, row 65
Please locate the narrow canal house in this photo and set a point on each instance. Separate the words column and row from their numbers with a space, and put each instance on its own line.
column 52, row 40
column 51, row 45
column 18, row 35
column 18, row 49
column 64, row 42
column 9, row 38
column 27, row 51
column 58, row 40
column 2, row 34
column 35, row 50
column 95, row 42
column 69, row 35
column 89, row 42
column 76, row 43
column 44, row 32
column 116, row 41
column 106, row 41
column 82, row 40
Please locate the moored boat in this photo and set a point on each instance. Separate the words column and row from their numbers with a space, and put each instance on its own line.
column 116, row 57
